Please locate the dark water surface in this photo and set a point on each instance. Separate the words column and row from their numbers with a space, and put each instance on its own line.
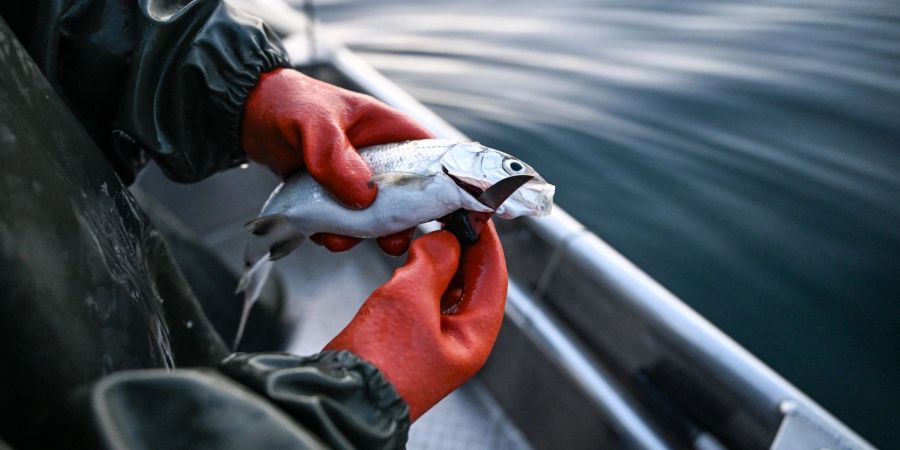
column 745, row 155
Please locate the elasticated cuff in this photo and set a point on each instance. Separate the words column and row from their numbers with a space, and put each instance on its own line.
column 254, row 50
column 190, row 77
column 343, row 399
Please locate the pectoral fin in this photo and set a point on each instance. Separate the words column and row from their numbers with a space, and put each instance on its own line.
column 284, row 247
column 264, row 225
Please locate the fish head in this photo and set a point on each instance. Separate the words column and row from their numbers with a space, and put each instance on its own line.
column 476, row 168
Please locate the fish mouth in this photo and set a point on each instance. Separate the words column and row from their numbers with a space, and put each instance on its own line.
column 496, row 195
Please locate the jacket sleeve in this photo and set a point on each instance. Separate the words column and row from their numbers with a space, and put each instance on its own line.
column 190, row 72
column 332, row 400
column 160, row 79
column 345, row 401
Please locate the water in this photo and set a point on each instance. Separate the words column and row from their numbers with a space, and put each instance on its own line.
column 747, row 156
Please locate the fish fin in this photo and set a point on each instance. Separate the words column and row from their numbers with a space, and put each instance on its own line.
column 265, row 224
column 273, row 238
column 245, row 314
column 285, row 246
column 273, row 235
column 254, row 277
column 251, row 284
column 406, row 179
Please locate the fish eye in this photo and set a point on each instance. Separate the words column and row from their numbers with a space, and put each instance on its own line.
column 513, row 166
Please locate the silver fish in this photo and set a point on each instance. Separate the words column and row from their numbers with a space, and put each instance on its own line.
column 418, row 181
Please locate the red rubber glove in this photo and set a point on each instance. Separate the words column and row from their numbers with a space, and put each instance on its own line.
column 430, row 328
column 293, row 121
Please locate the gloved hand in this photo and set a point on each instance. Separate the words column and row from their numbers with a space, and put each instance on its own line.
column 293, row 121
column 433, row 324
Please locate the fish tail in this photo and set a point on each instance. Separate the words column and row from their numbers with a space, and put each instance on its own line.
column 251, row 284
column 273, row 238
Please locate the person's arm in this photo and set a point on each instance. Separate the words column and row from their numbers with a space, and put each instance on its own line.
column 340, row 398
column 194, row 85
column 417, row 338
column 433, row 324
column 190, row 72
column 152, row 79
column 332, row 400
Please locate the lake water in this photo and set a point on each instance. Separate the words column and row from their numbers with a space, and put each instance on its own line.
column 746, row 155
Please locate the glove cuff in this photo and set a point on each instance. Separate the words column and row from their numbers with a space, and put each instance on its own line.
column 380, row 390
column 344, row 399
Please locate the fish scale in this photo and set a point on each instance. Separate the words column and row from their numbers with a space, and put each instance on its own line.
column 404, row 156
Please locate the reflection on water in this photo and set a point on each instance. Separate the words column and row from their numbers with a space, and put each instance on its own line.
column 745, row 155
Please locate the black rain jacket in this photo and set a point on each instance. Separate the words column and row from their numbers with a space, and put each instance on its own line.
column 160, row 79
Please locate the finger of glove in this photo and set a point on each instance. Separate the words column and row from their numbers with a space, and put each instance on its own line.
column 376, row 123
column 336, row 165
column 396, row 244
column 335, row 242
column 484, row 280
column 418, row 285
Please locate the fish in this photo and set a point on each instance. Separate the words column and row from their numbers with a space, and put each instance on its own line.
column 418, row 181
